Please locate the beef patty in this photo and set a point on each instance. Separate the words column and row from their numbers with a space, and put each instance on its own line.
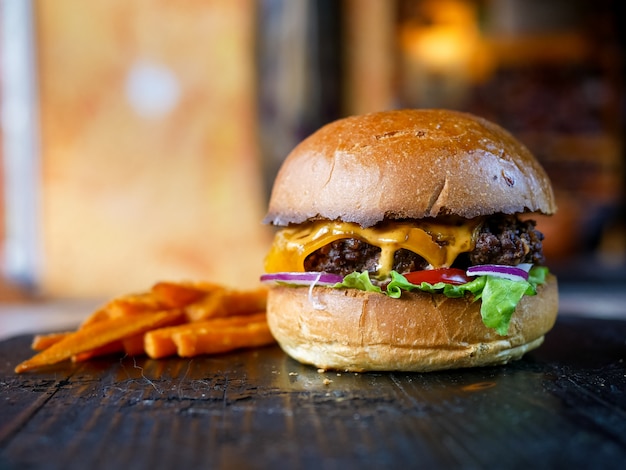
column 502, row 239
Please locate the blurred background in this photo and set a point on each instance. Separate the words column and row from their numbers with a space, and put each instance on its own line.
column 140, row 138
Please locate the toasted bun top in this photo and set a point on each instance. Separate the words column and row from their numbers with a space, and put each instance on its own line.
column 408, row 164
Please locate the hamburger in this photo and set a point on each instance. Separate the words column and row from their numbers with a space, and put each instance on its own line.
column 405, row 242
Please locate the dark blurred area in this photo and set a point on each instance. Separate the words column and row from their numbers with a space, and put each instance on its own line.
column 551, row 72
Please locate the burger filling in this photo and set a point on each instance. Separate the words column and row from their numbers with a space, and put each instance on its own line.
column 497, row 259
column 508, row 240
column 500, row 239
column 351, row 254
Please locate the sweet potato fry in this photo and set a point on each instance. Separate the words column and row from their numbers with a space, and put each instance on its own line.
column 210, row 306
column 41, row 342
column 97, row 335
column 227, row 303
column 208, row 340
column 160, row 342
column 134, row 304
column 179, row 295
column 184, row 318
column 97, row 316
column 110, row 348
column 127, row 305
column 245, row 302
column 133, row 345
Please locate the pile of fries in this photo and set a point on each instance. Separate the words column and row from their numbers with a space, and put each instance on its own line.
column 184, row 319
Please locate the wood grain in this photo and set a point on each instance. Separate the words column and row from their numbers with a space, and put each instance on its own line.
column 563, row 405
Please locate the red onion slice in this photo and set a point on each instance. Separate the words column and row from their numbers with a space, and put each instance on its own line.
column 512, row 273
column 303, row 279
column 525, row 266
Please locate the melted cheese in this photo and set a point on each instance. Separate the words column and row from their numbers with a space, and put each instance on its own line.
column 439, row 244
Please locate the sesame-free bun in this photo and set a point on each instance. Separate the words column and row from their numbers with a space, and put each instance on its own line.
column 408, row 164
column 352, row 330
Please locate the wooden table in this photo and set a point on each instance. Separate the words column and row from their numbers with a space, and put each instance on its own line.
column 562, row 406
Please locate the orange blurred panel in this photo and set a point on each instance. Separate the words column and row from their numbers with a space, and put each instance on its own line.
column 150, row 167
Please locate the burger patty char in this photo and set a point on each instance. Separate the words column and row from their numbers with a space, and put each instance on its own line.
column 508, row 240
column 502, row 239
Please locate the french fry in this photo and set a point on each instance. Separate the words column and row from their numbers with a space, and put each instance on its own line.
column 133, row 345
column 210, row 306
column 127, row 305
column 208, row 340
column 226, row 303
column 245, row 301
column 160, row 343
column 135, row 304
column 184, row 318
column 41, row 342
column 95, row 317
column 179, row 295
column 97, row 335
column 105, row 350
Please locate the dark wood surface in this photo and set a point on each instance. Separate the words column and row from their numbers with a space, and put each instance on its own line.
column 561, row 406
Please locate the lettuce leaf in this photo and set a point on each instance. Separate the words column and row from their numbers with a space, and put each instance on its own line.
column 359, row 281
column 499, row 296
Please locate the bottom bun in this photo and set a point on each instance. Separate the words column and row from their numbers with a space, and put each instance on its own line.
column 352, row 330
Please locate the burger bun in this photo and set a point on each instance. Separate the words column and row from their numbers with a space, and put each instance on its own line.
column 353, row 330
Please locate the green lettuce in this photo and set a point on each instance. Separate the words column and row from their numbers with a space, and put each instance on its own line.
column 499, row 296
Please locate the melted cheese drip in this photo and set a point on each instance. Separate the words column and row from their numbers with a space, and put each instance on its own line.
column 439, row 244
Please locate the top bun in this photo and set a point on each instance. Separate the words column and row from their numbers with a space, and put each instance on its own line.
column 408, row 164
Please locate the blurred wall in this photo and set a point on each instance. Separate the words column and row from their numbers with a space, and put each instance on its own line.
column 149, row 163
column 552, row 73
column 163, row 123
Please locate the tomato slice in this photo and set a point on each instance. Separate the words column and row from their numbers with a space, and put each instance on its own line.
column 433, row 276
